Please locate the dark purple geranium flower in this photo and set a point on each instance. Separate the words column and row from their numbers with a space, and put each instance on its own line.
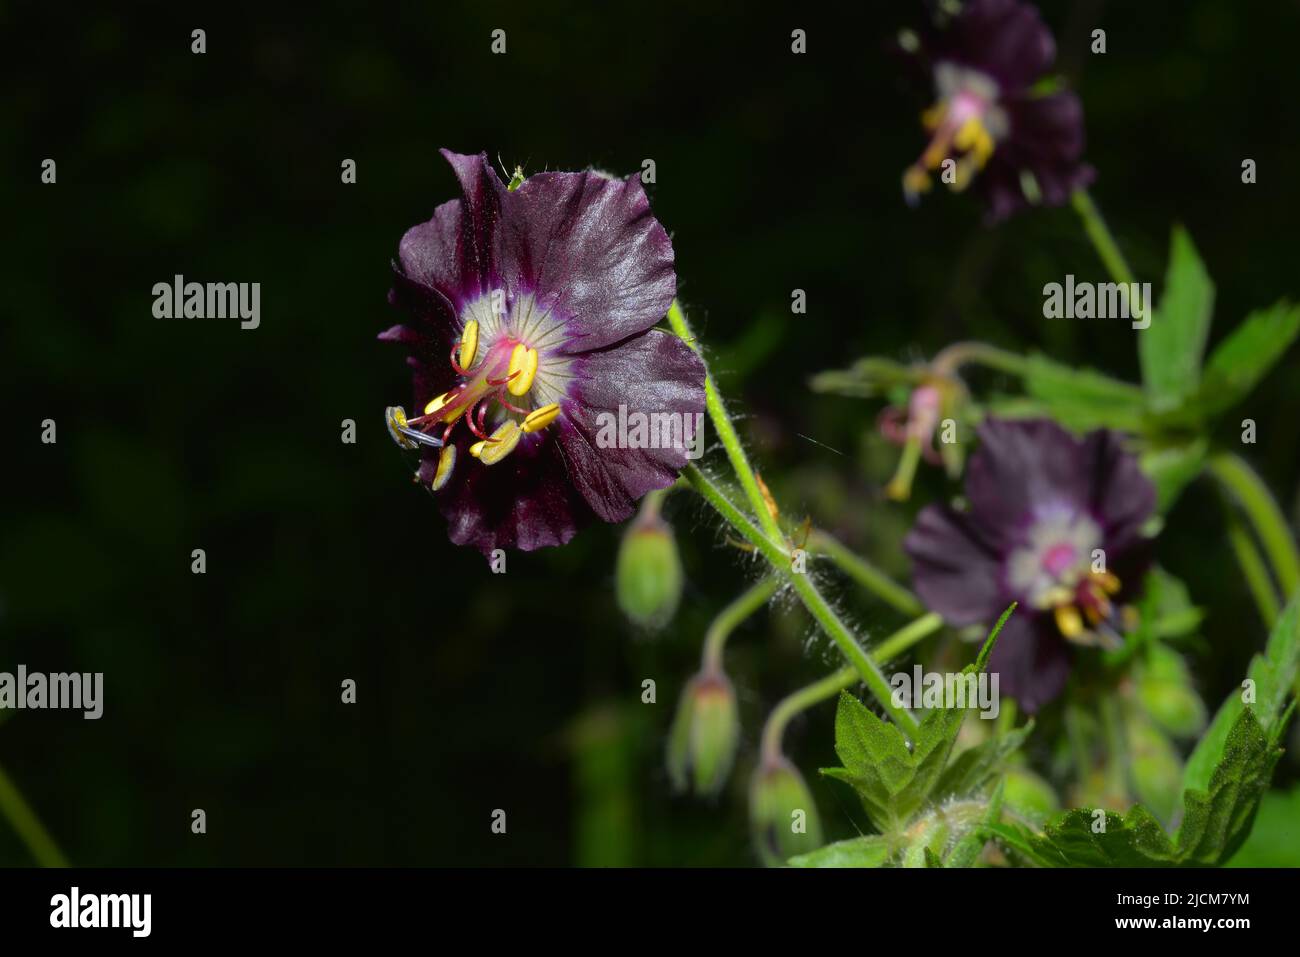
column 530, row 316
column 1054, row 523
column 1025, row 146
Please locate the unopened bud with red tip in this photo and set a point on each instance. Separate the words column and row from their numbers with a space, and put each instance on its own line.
column 782, row 816
column 706, row 729
column 648, row 578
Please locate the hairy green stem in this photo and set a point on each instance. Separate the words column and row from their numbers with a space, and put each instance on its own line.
column 1264, row 515
column 865, row 574
column 811, row 597
column 726, row 431
column 715, row 639
column 771, row 541
column 819, row 691
column 28, row 826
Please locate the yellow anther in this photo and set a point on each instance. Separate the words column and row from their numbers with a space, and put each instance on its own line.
column 477, row 448
column 1069, row 621
column 523, row 360
column 1108, row 582
column 469, row 344
column 446, row 462
column 1057, row 595
column 967, row 134
column 395, row 417
column 435, row 404
column 539, row 419
column 506, row 438
column 932, row 117
column 916, row 180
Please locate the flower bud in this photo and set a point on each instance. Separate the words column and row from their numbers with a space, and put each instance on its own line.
column 648, row 579
column 1029, row 795
column 702, row 743
column 1165, row 691
column 782, row 816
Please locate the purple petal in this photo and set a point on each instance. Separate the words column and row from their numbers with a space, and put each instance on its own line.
column 1122, row 498
column 1020, row 466
column 1046, row 139
column 1031, row 659
column 524, row 501
column 654, row 372
column 955, row 571
column 1006, row 39
column 593, row 253
column 454, row 257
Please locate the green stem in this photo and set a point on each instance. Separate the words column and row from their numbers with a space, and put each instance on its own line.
column 837, row 681
column 1116, row 750
column 949, row 359
column 865, row 574
column 811, row 597
column 1078, row 745
column 766, row 540
column 774, row 553
column 726, row 431
column 1102, row 240
column 28, row 826
column 907, row 636
column 1253, row 568
column 715, row 639
column 1250, row 492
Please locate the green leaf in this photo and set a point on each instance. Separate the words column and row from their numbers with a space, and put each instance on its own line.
column 894, row 781
column 1172, row 347
column 869, row 851
column 1274, row 841
column 1215, row 821
column 1273, row 675
column 1248, row 353
column 1083, row 399
column 971, row 770
column 1223, row 782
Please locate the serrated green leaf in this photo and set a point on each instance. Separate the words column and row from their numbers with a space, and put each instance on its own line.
column 975, row 767
column 1171, row 349
column 1241, row 360
column 1084, row 399
column 1273, row 674
column 869, row 747
column 933, row 745
column 1215, row 821
column 1274, row 839
column 869, row 851
column 894, row 781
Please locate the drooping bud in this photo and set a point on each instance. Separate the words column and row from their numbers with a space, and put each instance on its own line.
column 1165, row 691
column 1029, row 795
column 706, row 728
column 648, row 578
column 783, row 819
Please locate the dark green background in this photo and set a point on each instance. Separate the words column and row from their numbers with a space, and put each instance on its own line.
column 520, row 691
